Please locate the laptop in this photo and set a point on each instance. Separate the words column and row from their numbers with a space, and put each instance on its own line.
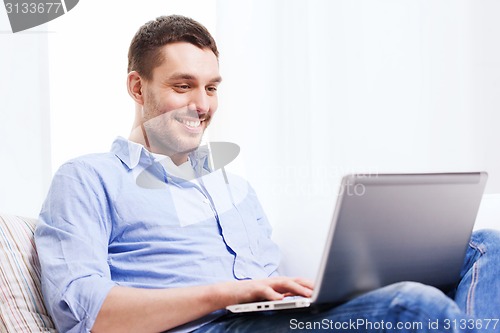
column 389, row 228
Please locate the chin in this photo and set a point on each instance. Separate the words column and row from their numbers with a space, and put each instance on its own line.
column 188, row 147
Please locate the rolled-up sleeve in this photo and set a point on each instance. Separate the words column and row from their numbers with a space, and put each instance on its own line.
column 72, row 243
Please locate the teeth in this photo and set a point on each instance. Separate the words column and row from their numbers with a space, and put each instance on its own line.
column 192, row 123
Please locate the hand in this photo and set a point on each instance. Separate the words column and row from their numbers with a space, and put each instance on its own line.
column 272, row 289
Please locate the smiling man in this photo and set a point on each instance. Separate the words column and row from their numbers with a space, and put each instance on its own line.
column 148, row 238
column 120, row 254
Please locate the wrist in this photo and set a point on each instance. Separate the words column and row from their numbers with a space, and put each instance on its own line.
column 221, row 295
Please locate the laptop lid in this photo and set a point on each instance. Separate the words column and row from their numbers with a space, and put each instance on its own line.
column 389, row 228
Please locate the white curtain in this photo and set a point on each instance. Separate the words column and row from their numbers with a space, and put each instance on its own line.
column 316, row 89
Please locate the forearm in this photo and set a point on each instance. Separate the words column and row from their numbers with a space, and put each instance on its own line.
column 155, row 310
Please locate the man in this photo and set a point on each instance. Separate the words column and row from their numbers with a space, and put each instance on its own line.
column 149, row 238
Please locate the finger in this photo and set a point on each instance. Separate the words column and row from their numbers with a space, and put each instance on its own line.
column 272, row 295
column 289, row 286
column 305, row 282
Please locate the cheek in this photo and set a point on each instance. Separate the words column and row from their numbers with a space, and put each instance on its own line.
column 214, row 105
column 166, row 100
column 175, row 101
column 158, row 113
column 165, row 108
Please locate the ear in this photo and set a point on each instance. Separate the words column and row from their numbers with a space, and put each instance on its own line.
column 134, row 86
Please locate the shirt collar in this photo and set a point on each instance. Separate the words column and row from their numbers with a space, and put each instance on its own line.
column 133, row 154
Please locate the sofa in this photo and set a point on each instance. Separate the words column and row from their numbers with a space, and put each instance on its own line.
column 21, row 303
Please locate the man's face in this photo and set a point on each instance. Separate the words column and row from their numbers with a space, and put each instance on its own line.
column 180, row 99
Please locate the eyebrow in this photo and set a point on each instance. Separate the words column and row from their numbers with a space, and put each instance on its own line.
column 190, row 77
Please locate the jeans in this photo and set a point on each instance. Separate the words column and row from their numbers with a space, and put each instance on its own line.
column 474, row 306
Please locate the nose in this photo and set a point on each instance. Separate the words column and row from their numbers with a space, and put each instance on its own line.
column 200, row 101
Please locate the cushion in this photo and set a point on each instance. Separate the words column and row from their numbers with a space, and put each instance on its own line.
column 21, row 303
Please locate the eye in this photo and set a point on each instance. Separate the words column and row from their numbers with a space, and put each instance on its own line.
column 181, row 87
column 212, row 89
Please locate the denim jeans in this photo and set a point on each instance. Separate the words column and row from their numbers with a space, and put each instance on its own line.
column 403, row 307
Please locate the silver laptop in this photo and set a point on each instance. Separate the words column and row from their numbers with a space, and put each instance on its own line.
column 389, row 228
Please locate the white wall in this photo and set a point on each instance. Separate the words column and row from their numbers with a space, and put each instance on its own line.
column 316, row 89
column 24, row 119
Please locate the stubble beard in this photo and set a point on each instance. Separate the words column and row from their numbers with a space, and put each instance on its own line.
column 165, row 134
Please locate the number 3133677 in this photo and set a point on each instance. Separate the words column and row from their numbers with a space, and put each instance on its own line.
column 470, row 324
column 33, row 8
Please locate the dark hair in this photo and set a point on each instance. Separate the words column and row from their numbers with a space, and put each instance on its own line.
column 145, row 54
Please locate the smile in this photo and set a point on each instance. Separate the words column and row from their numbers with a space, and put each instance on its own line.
column 191, row 123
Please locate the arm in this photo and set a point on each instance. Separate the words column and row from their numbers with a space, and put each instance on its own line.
column 149, row 310
column 72, row 243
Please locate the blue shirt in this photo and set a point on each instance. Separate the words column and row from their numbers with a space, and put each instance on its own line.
column 120, row 218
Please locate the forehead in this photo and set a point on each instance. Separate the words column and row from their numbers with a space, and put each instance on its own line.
column 189, row 59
